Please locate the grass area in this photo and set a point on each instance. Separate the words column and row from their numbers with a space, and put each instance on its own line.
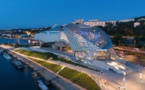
column 50, row 66
column 42, row 55
column 79, row 78
column 47, row 56
column 70, row 62
column 75, row 76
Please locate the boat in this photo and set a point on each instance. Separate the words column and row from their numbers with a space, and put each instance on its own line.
column 7, row 56
column 41, row 85
column 34, row 74
column 18, row 64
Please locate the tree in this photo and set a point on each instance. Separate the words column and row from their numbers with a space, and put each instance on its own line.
column 117, row 39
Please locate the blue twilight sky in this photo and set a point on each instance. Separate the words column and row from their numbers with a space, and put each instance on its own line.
column 42, row 13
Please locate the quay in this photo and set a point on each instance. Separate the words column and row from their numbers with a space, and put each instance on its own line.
column 51, row 77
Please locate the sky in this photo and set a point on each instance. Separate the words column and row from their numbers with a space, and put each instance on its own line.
column 44, row 13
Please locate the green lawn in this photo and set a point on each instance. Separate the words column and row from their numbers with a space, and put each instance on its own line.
column 41, row 55
column 75, row 76
column 46, row 56
column 50, row 66
column 79, row 78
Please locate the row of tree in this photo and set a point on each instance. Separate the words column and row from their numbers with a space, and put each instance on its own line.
column 125, row 29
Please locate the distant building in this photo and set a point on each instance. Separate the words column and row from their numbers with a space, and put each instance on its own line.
column 79, row 21
column 17, row 34
column 142, row 19
column 93, row 23
column 136, row 24
column 32, row 42
column 127, row 20
column 27, row 32
column 24, row 35
column 7, row 35
column 113, row 22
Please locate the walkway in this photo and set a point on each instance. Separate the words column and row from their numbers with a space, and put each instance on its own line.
column 93, row 74
column 110, row 80
column 58, row 80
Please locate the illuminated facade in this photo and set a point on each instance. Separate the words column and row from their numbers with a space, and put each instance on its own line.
column 85, row 42
column 90, row 45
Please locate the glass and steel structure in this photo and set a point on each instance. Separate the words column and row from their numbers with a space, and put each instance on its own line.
column 86, row 43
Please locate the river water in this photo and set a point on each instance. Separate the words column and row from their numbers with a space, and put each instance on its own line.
column 12, row 41
column 13, row 79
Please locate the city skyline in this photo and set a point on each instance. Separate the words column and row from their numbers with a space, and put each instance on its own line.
column 30, row 14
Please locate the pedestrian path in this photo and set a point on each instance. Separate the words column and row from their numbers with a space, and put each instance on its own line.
column 113, row 80
column 60, row 70
column 91, row 73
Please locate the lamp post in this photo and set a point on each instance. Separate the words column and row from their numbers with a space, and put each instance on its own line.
column 124, row 74
column 59, row 60
column 140, row 76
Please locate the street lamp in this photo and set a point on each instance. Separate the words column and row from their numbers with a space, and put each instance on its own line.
column 124, row 74
column 59, row 59
column 140, row 76
column 134, row 43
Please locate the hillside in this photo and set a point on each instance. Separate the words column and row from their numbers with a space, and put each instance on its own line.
column 127, row 29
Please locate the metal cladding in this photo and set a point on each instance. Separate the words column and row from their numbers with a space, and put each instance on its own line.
column 92, row 34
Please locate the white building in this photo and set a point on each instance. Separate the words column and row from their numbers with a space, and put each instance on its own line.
column 136, row 24
column 80, row 21
column 93, row 23
column 89, row 45
column 126, row 20
column 142, row 19
column 113, row 22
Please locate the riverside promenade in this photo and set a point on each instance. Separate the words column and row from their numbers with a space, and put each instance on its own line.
column 109, row 80
column 54, row 78
column 95, row 75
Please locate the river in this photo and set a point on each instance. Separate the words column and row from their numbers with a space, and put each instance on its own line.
column 13, row 79
column 13, row 41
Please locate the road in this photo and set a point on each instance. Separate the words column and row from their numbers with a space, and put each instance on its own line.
column 130, row 49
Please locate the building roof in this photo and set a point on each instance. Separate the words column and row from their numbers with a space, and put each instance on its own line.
column 93, row 34
column 80, row 37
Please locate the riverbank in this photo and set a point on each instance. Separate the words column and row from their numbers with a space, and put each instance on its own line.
column 88, row 86
column 114, row 80
column 13, row 79
column 59, row 81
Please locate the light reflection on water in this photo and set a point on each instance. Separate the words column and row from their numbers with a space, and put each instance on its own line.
column 13, row 79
